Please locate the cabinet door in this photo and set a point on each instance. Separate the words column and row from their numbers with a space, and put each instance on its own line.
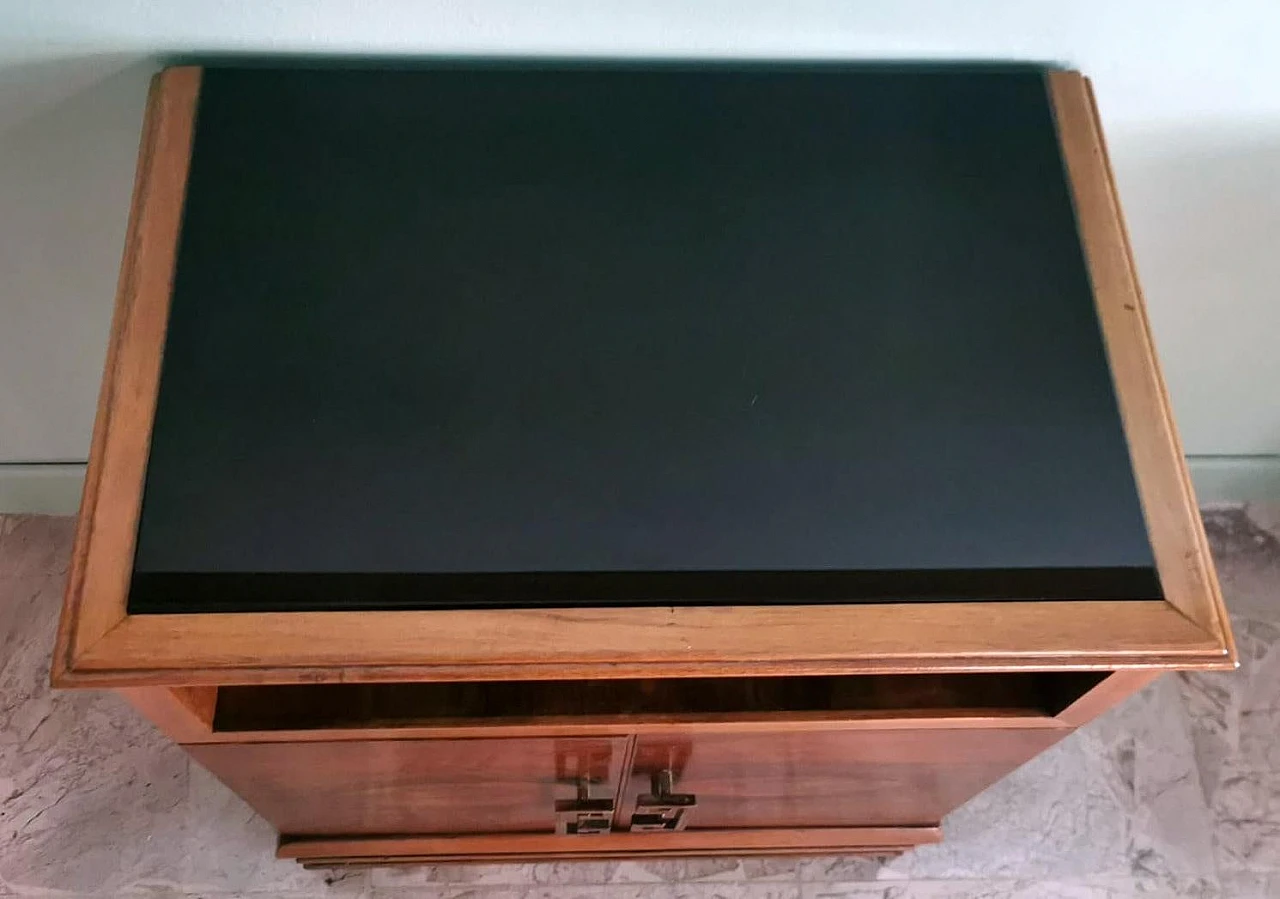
column 415, row 786
column 820, row 779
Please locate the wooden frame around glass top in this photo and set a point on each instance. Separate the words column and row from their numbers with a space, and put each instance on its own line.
column 100, row 644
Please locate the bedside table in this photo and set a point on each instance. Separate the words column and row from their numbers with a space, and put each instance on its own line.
column 525, row 460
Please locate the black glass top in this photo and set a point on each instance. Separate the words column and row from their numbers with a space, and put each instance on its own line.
column 571, row 334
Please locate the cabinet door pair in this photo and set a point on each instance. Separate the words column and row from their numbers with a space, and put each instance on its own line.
column 577, row 786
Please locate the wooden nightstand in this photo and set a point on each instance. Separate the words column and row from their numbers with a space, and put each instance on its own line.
column 543, row 460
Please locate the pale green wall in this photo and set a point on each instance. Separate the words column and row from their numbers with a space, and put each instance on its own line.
column 1189, row 94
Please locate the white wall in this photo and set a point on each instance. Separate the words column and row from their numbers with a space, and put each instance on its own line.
column 1189, row 94
column 66, row 174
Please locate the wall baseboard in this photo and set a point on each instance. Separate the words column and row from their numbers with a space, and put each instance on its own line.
column 1235, row 479
column 54, row 489
column 42, row 489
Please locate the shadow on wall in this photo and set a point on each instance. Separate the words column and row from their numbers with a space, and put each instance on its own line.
column 69, row 134
column 1201, row 202
column 1203, row 207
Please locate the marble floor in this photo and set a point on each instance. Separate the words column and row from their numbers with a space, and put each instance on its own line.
column 1175, row 793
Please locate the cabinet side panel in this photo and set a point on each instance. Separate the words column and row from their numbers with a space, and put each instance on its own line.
column 1112, row 691
column 184, row 714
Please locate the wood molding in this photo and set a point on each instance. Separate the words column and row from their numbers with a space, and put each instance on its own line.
column 1168, row 502
column 533, row 644
column 813, row 841
column 102, row 555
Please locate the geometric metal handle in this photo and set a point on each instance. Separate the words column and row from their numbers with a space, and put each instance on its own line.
column 662, row 809
column 583, row 816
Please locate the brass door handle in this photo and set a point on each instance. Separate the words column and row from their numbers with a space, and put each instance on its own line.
column 662, row 809
column 583, row 815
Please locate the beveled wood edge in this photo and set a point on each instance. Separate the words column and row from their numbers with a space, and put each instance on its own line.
column 689, row 842
column 642, row 725
column 1164, row 485
column 102, row 554
column 548, row 644
column 100, row 645
column 1113, row 690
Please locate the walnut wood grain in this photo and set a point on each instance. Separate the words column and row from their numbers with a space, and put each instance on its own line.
column 414, row 786
column 831, row 779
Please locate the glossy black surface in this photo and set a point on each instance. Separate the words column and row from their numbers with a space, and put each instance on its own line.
column 505, row 319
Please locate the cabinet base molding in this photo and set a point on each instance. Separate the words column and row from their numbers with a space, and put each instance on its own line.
column 332, row 851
